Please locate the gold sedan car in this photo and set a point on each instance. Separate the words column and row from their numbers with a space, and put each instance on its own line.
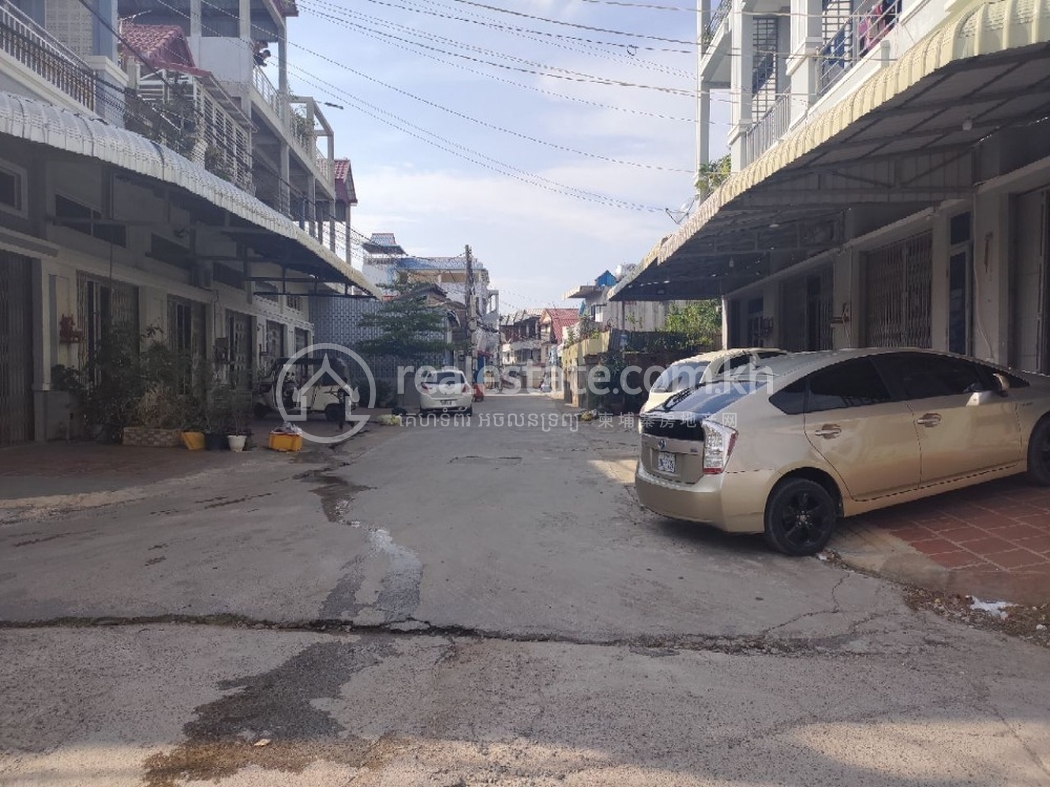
column 788, row 449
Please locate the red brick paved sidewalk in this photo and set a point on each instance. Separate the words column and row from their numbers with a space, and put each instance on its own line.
column 990, row 540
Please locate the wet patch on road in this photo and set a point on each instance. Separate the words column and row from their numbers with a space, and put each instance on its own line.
column 222, row 502
column 43, row 539
column 278, row 707
column 488, row 461
column 154, row 561
column 398, row 585
column 336, row 494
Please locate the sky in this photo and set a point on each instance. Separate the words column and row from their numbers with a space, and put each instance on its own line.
column 450, row 149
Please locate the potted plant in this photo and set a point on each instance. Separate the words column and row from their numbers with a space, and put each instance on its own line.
column 193, row 425
column 218, row 416
column 240, row 408
column 156, row 419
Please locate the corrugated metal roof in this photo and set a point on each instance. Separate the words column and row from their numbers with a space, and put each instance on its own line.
column 47, row 124
column 978, row 28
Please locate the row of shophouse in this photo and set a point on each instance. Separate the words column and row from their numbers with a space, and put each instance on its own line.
column 890, row 178
column 158, row 172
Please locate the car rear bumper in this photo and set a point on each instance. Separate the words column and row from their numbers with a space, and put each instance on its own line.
column 727, row 501
column 446, row 403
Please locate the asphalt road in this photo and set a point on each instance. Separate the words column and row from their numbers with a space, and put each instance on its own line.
column 458, row 605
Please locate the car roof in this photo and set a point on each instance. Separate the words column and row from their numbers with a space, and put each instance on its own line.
column 796, row 364
column 732, row 352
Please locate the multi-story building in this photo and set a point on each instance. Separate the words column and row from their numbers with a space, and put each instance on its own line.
column 522, row 347
column 890, row 178
column 386, row 263
column 155, row 180
column 601, row 313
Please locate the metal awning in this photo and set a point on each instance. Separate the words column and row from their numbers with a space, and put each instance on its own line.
column 249, row 220
column 900, row 143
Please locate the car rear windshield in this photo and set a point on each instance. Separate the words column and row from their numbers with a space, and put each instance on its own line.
column 679, row 376
column 448, row 378
column 713, row 398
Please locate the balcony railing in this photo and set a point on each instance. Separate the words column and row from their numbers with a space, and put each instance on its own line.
column 858, row 36
column 24, row 40
column 219, row 141
column 295, row 123
column 270, row 94
column 717, row 16
column 770, row 128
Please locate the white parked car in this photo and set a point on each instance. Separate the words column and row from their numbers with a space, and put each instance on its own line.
column 446, row 390
column 690, row 373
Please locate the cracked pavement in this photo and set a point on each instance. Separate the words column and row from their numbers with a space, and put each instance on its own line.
column 458, row 606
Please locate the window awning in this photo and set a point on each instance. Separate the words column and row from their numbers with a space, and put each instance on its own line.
column 899, row 143
column 262, row 226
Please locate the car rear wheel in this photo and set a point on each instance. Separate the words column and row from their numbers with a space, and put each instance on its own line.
column 1039, row 454
column 800, row 517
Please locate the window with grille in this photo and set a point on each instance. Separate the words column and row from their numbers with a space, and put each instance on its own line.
column 764, row 71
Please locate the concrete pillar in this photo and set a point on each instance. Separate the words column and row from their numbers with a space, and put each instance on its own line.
column 283, row 188
column 703, row 126
column 802, row 64
column 991, row 280
column 742, row 65
column 196, row 28
column 939, row 283
column 703, row 91
column 311, row 205
column 282, row 60
column 244, row 18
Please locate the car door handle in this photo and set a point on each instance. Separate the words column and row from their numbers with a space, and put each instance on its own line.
column 828, row 431
column 929, row 419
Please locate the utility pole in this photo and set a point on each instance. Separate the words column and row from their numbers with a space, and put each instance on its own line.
column 472, row 319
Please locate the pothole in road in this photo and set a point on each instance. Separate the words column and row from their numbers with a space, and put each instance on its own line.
column 489, row 461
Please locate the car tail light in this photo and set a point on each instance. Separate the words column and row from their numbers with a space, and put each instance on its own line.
column 466, row 388
column 718, row 445
column 425, row 386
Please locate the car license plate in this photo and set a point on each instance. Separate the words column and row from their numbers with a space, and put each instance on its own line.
column 446, row 401
column 665, row 462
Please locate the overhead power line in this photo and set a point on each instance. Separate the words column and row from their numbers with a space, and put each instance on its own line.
column 522, row 14
column 445, row 144
column 530, row 33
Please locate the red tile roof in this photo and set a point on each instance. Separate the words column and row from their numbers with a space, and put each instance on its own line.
column 560, row 319
column 160, row 46
column 344, row 182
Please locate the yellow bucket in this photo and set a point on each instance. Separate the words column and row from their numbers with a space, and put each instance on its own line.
column 193, row 440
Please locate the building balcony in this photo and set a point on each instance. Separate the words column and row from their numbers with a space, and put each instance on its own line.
column 294, row 117
column 848, row 44
column 716, row 18
column 219, row 134
column 29, row 44
column 768, row 130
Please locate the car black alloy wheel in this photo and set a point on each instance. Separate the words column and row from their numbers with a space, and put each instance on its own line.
column 800, row 517
column 1039, row 454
